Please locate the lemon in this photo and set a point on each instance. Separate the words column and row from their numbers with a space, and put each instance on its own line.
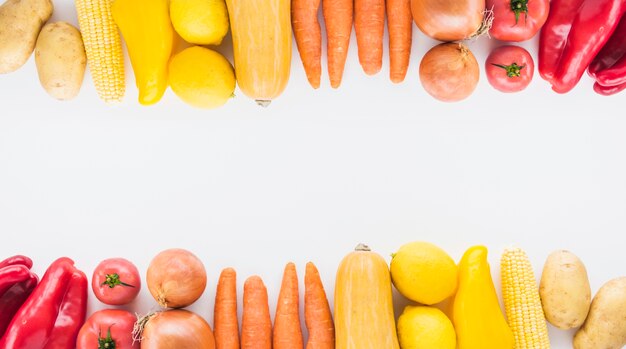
column 424, row 273
column 201, row 22
column 421, row 327
column 202, row 77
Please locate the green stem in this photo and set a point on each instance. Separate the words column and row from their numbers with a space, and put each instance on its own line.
column 105, row 342
column 519, row 6
column 512, row 71
column 113, row 280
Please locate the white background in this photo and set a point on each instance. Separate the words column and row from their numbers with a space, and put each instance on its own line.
column 312, row 175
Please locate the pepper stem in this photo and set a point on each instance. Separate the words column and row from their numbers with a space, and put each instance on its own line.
column 105, row 342
column 519, row 6
column 113, row 280
column 512, row 71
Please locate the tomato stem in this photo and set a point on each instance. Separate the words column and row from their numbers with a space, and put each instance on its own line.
column 113, row 280
column 519, row 6
column 512, row 71
column 105, row 342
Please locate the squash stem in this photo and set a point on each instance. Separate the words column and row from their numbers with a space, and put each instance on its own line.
column 263, row 102
column 362, row 247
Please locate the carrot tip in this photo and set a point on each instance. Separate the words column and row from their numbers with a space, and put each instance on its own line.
column 371, row 70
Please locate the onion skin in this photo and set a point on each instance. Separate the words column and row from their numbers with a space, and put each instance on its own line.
column 448, row 20
column 176, row 278
column 449, row 72
column 177, row 329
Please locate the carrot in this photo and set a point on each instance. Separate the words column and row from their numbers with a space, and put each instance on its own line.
column 317, row 314
column 400, row 25
column 287, row 330
column 308, row 34
column 256, row 325
column 369, row 24
column 338, row 18
column 225, row 315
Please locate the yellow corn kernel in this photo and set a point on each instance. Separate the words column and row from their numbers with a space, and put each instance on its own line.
column 103, row 46
column 521, row 301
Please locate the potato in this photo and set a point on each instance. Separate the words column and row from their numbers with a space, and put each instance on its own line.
column 564, row 290
column 605, row 328
column 20, row 23
column 60, row 58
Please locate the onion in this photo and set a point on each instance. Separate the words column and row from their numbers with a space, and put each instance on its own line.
column 174, row 329
column 176, row 278
column 450, row 20
column 449, row 72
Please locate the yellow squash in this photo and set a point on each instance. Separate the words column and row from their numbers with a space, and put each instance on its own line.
column 477, row 316
column 261, row 31
column 149, row 36
column 363, row 303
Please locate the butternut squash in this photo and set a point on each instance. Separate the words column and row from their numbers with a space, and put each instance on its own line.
column 364, row 316
column 261, row 31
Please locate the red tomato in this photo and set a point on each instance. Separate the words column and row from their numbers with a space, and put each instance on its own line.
column 517, row 20
column 509, row 68
column 111, row 326
column 116, row 281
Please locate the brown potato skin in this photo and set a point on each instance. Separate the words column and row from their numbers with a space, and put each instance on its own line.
column 605, row 327
column 565, row 291
column 21, row 21
column 60, row 58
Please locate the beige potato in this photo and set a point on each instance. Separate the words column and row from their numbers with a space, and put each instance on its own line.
column 60, row 59
column 565, row 291
column 20, row 23
column 605, row 327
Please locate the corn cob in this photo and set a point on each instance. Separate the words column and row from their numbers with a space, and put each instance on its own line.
column 103, row 46
column 521, row 301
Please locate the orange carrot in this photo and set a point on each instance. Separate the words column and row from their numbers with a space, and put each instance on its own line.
column 369, row 24
column 225, row 315
column 256, row 325
column 287, row 330
column 338, row 17
column 308, row 34
column 317, row 314
column 400, row 25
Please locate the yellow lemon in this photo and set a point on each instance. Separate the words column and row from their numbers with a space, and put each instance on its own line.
column 201, row 77
column 424, row 273
column 421, row 327
column 201, row 22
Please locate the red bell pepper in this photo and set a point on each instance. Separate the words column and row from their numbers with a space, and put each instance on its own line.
column 614, row 49
column 12, row 300
column 576, row 30
column 608, row 90
column 17, row 260
column 53, row 314
column 609, row 66
column 9, row 276
column 554, row 35
column 16, row 284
